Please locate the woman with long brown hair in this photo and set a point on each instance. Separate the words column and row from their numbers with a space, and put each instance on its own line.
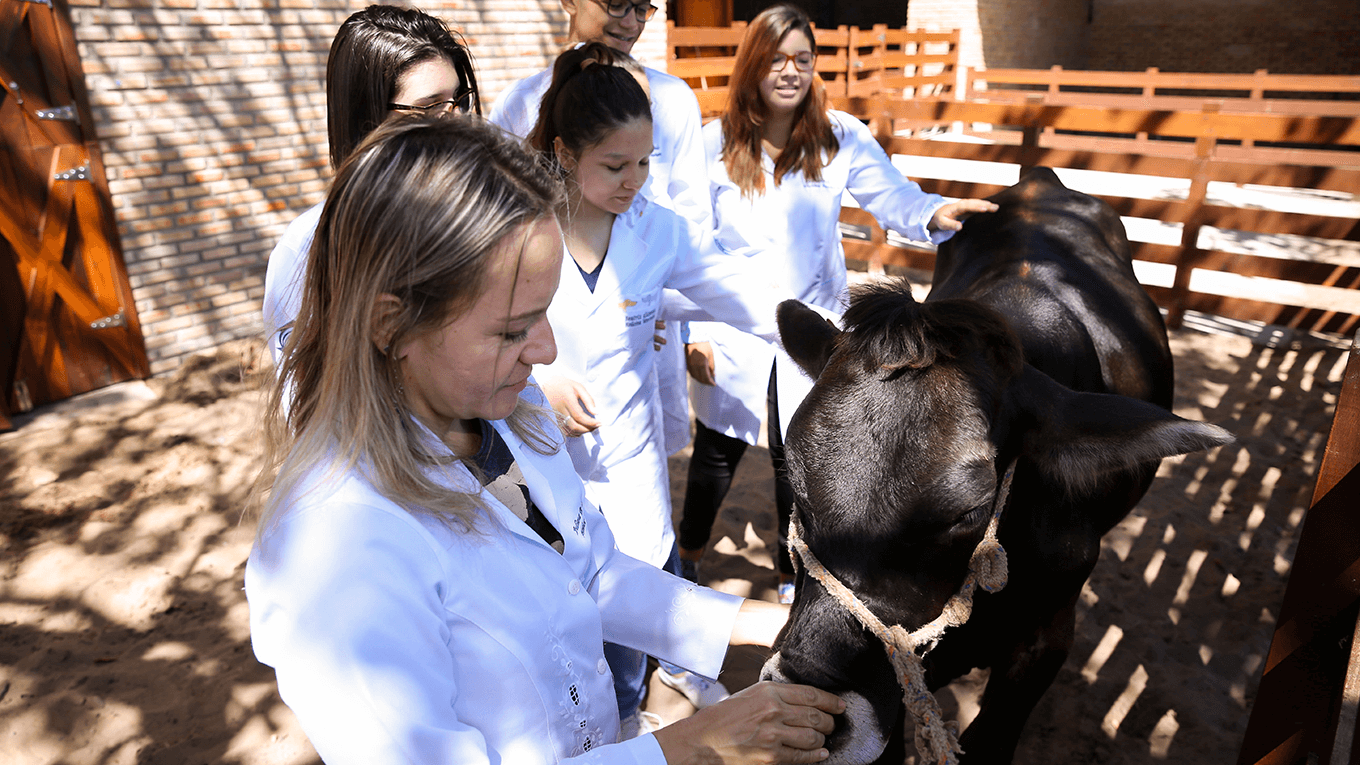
column 779, row 163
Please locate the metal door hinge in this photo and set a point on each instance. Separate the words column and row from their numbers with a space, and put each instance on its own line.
column 81, row 173
column 66, row 113
column 108, row 322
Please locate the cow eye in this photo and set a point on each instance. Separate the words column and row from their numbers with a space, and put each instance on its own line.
column 975, row 516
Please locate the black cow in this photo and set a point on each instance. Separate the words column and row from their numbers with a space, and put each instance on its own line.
column 1037, row 345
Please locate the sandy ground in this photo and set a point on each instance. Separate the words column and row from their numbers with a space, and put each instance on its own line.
column 123, row 627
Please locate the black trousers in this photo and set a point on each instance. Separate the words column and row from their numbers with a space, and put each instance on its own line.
column 711, row 468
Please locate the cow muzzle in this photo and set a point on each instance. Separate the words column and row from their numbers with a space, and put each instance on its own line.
column 858, row 738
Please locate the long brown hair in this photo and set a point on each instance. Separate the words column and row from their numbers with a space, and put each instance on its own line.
column 419, row 211
column 813, row 144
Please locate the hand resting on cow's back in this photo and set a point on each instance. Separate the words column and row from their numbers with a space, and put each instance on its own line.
column 1036, row 347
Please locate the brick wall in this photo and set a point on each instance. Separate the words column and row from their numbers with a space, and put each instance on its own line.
column 212, row 118
column 1308, row 37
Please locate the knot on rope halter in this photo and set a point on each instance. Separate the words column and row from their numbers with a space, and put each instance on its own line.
column 989, row 565
column 937, row 741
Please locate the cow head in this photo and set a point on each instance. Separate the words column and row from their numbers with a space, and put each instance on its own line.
column 895, row 457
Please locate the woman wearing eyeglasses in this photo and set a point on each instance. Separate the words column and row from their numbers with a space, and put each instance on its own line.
column 384, row 61
column 780, row 161
column 678, row 179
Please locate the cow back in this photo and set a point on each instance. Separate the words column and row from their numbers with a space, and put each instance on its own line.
column 1056, row 263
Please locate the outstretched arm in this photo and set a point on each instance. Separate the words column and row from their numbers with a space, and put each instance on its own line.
column 951, row 216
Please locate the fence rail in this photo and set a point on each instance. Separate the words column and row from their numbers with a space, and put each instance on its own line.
column 1295, row 134
column 1313, row 290
column 1315, row 95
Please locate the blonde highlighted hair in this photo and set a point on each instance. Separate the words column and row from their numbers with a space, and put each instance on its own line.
column 420, row 210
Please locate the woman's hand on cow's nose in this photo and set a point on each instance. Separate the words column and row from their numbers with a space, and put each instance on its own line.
column 765, row 724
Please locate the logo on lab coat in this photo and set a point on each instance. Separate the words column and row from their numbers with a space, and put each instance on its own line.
column 640, row 311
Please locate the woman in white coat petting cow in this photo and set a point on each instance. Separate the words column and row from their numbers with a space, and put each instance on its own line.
column 624, row 248
column 429, row 580
column 779, row 163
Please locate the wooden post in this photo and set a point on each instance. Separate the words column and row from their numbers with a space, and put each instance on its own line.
column 1190, row 254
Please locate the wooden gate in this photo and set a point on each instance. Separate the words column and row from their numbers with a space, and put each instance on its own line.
column 67, row 319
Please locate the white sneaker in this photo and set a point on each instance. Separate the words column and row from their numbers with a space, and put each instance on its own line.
column 639, row 723
column 700, row 692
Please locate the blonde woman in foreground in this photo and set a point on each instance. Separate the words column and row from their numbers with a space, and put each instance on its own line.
column 428, row 580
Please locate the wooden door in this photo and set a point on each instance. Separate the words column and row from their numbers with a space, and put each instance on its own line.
column 701, row 13
column 78, row 328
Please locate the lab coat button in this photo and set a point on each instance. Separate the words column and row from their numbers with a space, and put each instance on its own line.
column 574, row 587
column 602, row 667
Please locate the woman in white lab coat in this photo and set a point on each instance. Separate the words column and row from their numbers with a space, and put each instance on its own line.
column 624, row 248
column 678, row 178
column 429, row 580
column 779, row 163
column 384, row 60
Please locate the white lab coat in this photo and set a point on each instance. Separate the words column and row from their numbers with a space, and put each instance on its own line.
column 398, row 639
column 678, row 180
column 793, row 230
column 604, row 341
column 283, row 279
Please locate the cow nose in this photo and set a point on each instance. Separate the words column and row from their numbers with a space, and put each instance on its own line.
column 858, row 738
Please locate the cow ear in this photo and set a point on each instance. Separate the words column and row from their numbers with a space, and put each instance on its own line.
column 1079, row 437
column 807, row 336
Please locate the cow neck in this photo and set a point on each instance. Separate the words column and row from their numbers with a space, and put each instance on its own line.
column 936, row 741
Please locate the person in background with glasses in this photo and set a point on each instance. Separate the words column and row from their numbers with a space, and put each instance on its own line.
column 678, row 181
column 780, row 162
column 385, row 61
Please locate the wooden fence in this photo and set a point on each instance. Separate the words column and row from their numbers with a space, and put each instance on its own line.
column 1308, row 702
column 1214, row 134
column 852, row 62
column 1286, row 283
column 1309, row 95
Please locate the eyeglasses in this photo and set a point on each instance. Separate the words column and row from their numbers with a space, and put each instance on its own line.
column 461, row 103
column 802, row 60
column 617, row 9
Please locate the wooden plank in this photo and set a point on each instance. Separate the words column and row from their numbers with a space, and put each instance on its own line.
column 1305, row 681
column 1259, row 127
column 709, row 66
column 1343, row 443
column 1171, row 80
column 1138, row 101
column 704, row 37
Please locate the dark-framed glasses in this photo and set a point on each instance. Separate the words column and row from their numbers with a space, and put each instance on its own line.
column 802, row 60
column 461, row 103
column 619, row 8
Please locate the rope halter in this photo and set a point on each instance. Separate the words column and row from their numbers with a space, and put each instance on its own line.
column 937, row 741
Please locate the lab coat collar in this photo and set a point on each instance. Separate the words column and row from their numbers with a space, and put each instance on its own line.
column 459, row 478
column 627, row 251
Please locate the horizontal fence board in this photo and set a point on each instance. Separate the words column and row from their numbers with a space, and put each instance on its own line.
column 1273, row 106
column 1245, row 309
column 1258, row 127
column 1261, row 82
